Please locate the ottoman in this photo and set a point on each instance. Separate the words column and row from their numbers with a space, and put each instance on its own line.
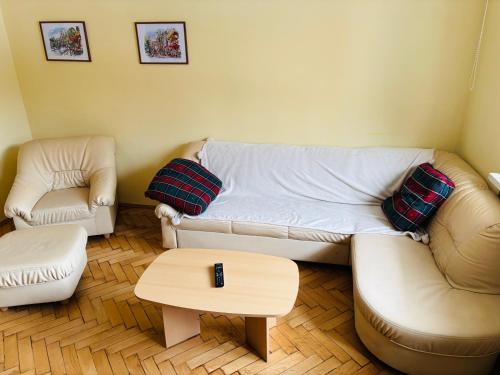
column 41, row 264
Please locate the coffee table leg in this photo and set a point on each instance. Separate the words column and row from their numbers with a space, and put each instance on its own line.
column 179, row 324
column 257, row 331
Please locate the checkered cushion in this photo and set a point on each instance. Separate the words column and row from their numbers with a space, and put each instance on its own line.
column 418, row 199
column 184, row 185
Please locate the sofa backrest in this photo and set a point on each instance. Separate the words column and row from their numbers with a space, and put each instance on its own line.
column 465, row 232
column 341, row 175
column 65, row 162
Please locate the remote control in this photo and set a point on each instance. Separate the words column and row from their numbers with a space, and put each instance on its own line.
column 219, row 275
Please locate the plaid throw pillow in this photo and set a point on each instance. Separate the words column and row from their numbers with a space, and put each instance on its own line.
column 418, row 199
column 184, row 185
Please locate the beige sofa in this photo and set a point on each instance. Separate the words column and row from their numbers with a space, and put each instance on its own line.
column 423, row 309
column 65, row 180
column 435, row 309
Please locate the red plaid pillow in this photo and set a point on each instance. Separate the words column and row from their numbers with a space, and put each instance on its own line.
column 185, row 185
column 418, row 199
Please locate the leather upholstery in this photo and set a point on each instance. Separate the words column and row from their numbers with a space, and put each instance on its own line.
column 414, row 362
column 64, row 180
column 101, row 222
column 261, row 238
column 403, row 295
column 61, row 206
column 264, row 230
column 465, row 232
column 41, row 255
column 41, row 265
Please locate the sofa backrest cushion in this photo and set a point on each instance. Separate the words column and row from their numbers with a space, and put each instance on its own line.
column 465, row 232
column 65, row 162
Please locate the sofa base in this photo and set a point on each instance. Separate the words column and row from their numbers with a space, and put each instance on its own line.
column 308, row 251
column 415, row 362
column 103, row 222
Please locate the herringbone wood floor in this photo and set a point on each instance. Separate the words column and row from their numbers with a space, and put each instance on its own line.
column 105, row 329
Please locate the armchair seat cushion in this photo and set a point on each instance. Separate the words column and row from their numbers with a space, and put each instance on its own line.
column 400, row 291
column 62, row 206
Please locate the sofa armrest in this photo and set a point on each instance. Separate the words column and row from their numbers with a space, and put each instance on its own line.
column 165, row 211
column 23, row 196
column 102, row 188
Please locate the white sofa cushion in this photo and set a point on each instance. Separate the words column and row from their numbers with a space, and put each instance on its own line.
column 317, row 215
column 60, row 206
column 41, row 255
column 403, row 295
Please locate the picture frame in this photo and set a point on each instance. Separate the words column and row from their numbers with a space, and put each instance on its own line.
column 162, row 42
column 65, row 41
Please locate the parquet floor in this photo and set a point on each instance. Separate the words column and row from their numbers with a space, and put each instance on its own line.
column 105, row 329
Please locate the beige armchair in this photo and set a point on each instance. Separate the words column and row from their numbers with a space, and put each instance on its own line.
column 65, row 180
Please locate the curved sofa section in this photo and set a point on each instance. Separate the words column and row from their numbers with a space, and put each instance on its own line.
column 410, row 316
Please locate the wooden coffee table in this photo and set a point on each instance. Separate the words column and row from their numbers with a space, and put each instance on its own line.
column 258, row 287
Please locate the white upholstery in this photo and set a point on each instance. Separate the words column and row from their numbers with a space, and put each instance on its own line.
column 65, row 180
column 41, row 264
column 333, row 189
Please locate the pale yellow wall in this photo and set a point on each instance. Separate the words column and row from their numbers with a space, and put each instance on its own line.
column 350, row 72
column 14, row 127
column 480, row 144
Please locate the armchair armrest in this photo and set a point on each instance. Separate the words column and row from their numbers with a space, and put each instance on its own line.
column 102, row 187
column 23, row 196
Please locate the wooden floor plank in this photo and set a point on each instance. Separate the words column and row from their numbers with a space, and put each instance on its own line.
column 105, row 329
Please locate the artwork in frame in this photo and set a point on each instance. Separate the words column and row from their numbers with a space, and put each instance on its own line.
column 162, row 42
column 65, row 41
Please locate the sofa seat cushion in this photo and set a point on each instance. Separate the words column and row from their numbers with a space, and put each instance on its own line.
column 300, row 213
column 263, row 230
column 62, row 206
column 399, row 289
column 40, row 255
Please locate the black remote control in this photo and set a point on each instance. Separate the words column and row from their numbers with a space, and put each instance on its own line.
column 219, row 275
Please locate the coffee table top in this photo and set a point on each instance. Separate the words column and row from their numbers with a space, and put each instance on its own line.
column 255, row 284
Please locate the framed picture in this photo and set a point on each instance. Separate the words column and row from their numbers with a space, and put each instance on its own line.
column 162, row 42
column 65, row 41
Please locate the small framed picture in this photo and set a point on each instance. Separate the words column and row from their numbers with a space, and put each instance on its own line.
column 162, row 42
column 65, row 41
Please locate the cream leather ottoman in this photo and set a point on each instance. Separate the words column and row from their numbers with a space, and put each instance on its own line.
column 41, row 265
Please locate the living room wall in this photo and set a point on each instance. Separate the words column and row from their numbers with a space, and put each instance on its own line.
column 14, row 128
column 348, row 73
column 480, row 144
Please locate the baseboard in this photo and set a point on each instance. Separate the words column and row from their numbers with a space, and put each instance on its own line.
column 135, row 205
